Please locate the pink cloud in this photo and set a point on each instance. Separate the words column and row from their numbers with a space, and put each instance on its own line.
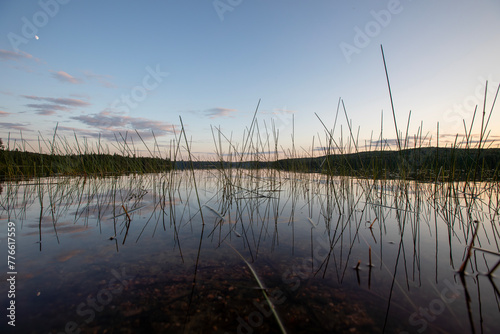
column 114, row 122
column 15, row 126
column 65, row 77
column 63, row 101
column 9, row 55
column 219, row 112
column 54, row 104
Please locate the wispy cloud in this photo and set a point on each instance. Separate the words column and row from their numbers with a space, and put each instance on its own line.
column 122, row 137
column 114, row 122
column 15, row 126
column 54, row 104
column 85, row 132
column 102, row 79
column 389, row 143
column 9, row 55
column 62, row 101
column 219, row 112
column 47, row 109
column 66, row 78
column 4, row 113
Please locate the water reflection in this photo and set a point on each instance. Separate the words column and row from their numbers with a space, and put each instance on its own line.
column 273, row 252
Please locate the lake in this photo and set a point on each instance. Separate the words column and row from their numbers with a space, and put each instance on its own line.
column 249, row 251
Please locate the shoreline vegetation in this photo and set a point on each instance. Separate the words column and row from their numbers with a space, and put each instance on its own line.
column 22, row 164
column 424, row 164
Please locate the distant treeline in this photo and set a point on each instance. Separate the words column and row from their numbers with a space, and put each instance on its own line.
column 15, row 164
column 445, row 164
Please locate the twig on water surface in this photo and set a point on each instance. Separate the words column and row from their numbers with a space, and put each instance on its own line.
column 373, row 222
column 233, row 229
column 236, row 232
column 128, row 217
column 214, row 211
column 312, row 223
column 127, row 212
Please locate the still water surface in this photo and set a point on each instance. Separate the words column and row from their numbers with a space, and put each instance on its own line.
column 131, row 254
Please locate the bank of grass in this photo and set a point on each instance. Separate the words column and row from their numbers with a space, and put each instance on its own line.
column 18, row 164
column 18, row 159
column 424, row 164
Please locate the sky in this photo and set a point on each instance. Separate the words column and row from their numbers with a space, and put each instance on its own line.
column 103, row 71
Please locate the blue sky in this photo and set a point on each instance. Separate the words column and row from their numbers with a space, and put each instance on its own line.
column 105, row 68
